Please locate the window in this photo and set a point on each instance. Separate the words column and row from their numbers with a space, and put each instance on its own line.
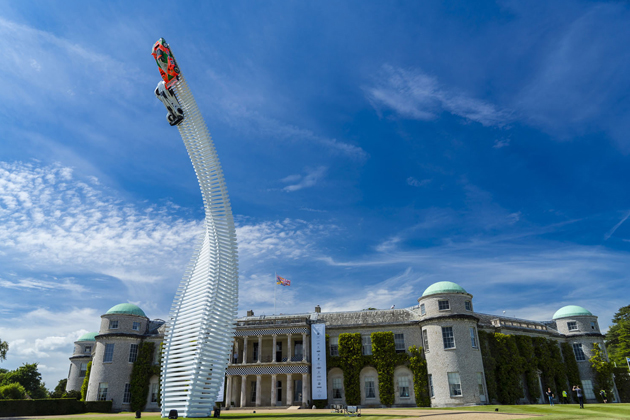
column 133, row 353
column 155, row 390
column 102, row 391
column 443, row 305
column 482, row 392
column 336, row 385
column 367, row 345
column 255, row 351
column 592, row 326
column 156, row 355
column 83, row 370
column 127, row 394
column 334, row 350
column 70, row 370
column 88, row 349
column 454, row 385
column 253, row 392
column 299, row 350
column 423, row 311
column 369, row 387
column 448, row 338
column 425, row 340
column 113, row 324
column 279, row 392
column 399, row 342
column 468, row 305
column 579, row 353
column 473, row 337
column 588, row 389
column 136, row 326
column 431, row 386
column 572, row 325
column 108, row 356
column 403, row 387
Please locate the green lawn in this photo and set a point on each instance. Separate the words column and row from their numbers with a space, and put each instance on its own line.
column 557, row 412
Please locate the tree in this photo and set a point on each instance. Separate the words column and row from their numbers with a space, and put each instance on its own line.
column 29, row 377
column 12, row 392
column 618, row 336
column 4, row 349
column 603, row 371
column 60, row 389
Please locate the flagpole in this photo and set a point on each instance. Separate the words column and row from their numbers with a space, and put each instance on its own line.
column 275, row 277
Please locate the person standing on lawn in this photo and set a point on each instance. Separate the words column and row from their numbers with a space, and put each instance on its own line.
column 580, row 395
column 550, row 396
column 565, row 399
column 603, row 394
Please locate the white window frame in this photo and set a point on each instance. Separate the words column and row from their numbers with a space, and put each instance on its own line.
column 473, row 337
column 102, row 391
column 468, row 305
column 136, row 326
column 82, row 372
column 155, row 390
column 133, row 355
column 366, row 345
column 578, row 351
column 113, row 324
column 445, row 331
column 403, row 387
column 454, row 384
column 587, row 387
column 444, row 305
column 337, row 386
column 127, row 394
column 87, row 349
column 370, row 385
column 593, row 325
column 482, row 390
column 425, row 341
column 423, row 310
column 572, row 326
column 399, row 342
column 106, row 353
column 431, row 393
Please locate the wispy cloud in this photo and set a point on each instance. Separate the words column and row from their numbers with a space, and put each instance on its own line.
column 417, row 183
column 417, row 95
column 614, row 228
column 304, row 181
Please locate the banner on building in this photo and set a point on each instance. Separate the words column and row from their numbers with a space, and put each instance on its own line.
column 318, row 351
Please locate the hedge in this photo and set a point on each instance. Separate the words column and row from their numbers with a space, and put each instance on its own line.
column 622, row 380
column 52, row 406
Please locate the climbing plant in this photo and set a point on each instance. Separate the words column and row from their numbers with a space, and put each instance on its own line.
column 509, row 368
column 86, row 380
column 603, row 371
column 351, row 362
column 384, row 356
column 140, row 375
column 528, row 358
column 418, row 366
column 571, row 368
column 486, row 340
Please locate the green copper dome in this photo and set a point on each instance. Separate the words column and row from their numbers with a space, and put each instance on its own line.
column 571, row 310
column 88, row 337
column 126, row 309
column 443, row 287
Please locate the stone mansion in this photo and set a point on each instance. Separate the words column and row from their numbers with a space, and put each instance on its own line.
column 270, row 364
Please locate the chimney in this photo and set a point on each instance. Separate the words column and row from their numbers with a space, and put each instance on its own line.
column 250, row 313
column 318, row 309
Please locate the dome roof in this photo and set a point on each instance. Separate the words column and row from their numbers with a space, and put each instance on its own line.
column 571, row 310
column 443, row 287
column 88, row 337
column 126, row 309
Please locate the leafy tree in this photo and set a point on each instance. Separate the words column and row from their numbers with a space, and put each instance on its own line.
column 60, row 389
column 603, row 371
column 29, row 377
column 618, row 336
column 12, row 392
column 4, row 348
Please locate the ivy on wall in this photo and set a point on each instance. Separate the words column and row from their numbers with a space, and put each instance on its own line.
column 351, row 362
column 487, row 341
column 603, row 372
column 509, row 367
column 530, row 367
column 571, row 368
column 141, row 375
column 86, row 380
column 384, row 355
column 418, row 366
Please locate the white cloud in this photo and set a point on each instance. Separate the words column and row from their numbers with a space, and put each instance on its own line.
column 309, row 180
column 416, row 183
column 416, row 95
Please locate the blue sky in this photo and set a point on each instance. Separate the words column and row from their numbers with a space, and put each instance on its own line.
column 370, row 149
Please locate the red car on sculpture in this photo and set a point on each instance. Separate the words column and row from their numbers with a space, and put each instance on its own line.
column 169, row 70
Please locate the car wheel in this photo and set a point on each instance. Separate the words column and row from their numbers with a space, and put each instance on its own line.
column 180, row 110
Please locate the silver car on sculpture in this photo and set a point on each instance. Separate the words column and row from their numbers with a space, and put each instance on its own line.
column 175, row 112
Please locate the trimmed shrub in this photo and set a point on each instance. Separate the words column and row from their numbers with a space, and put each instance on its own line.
column 622, row 380
column 141, row 375
column 57, row 406
column 351, row 362
column 86, row 381
column 320, row 403
column 12, row 392
column 384, row 356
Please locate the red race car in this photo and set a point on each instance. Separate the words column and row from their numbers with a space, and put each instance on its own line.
column 169, row 70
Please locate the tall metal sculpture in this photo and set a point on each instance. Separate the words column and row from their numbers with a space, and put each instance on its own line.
column 201, row 328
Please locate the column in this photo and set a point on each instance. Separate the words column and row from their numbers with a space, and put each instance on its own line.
column 304, row 347
column 259, row 348
column 289, row 347
column 289, row 389
column 273, row 350
column 228, row 391
column 273, row 389
column 243, row 390
column 245, row 349
column 305, row 389
column 258, row 389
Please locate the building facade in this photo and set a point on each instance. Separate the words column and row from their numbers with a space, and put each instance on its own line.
column 113, row 351
column 271, row 364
